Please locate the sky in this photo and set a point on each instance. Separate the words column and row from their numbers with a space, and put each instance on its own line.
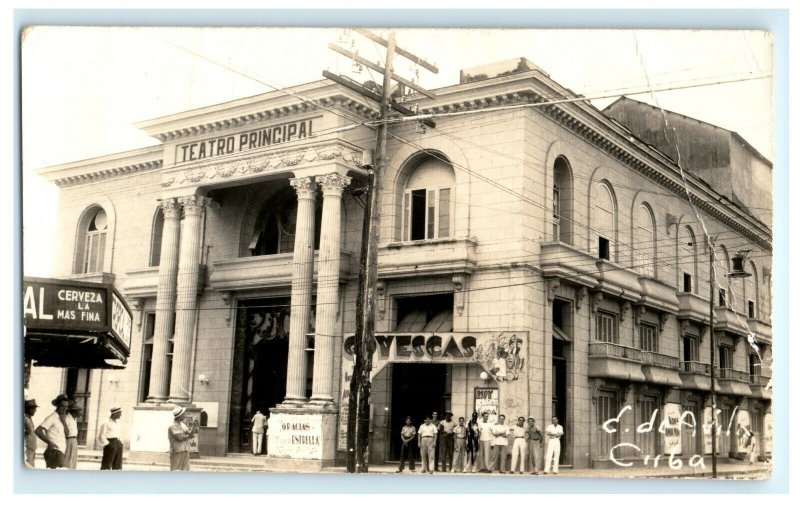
column 83, row 88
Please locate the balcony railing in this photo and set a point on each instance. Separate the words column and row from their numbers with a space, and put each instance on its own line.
column 662, row 360
column 731, row 374
column 611, row 350
column 695, row 367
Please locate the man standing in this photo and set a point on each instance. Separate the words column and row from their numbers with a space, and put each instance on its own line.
column 179, row 435
column 500, row 443
column 436, row 422
column 535, row 441
column 426, row 436
column 408, row 434
column 460, row 447
column 30, row 433
column 446, row 429
column 258, row 432
column 109, row 436
column 519, row 449
column 485, row 438
column 71, row 454
column 53, row 432
column 554, row 432
column 472, row 445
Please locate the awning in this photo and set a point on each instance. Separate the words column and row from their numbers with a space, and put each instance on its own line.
column 75, row 324
column 412, row 322
column 559, row 334
column 441, row 322
column 664, row 376
column 73, row 351
column 733, row 388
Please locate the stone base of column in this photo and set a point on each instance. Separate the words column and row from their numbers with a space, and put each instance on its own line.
column 149, row 442
column 301, row 439
column 322, row 403
column 293, row 403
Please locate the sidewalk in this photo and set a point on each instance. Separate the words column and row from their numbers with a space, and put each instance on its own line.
column 90, row 460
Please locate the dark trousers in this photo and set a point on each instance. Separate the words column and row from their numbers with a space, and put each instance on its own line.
column 447, row 451
column 436, row 454
column 53, row 458
column 407, row 451
column 112, row 455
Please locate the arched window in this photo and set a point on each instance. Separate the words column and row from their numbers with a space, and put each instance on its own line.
column 92, row 241
column 562, row 201
column 722, row 267
column 751, row 299
column 644, row 240
column 427, row 201
column 155, row 242
column 275, row 228
column 687, row 260
column 604, row 221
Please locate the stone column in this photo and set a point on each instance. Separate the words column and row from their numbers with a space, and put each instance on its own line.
column 302, row 279
column 328, row 286
column 165, row 300
column 186, row 300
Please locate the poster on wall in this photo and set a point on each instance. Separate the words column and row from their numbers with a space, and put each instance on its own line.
column 344, row 404
column 672, row 428
column 707, row 424
column 487, row 400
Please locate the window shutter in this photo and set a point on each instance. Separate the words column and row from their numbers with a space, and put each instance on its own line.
column 431, row 219
column 406, row 216
column 444, row 212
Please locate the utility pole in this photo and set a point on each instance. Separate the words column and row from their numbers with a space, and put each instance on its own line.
column 364, row 344
column 712, row 281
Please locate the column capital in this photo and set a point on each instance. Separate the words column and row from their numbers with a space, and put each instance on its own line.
column 333, row 184
column 305, row 186
column 171, row 208
column 193, row 204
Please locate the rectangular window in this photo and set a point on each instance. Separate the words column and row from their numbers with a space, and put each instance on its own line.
column 690, row 349
column 754, row 367
column 751, row 309
column 95, row 247
column 604, row 251
column 687, row 283
column 648, row 337
column 427, row 214
column 607, row 408
column 721, row 297
column 606, row 328
column 725, row 357
column 147, row 353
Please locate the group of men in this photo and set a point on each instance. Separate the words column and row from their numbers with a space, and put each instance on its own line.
column 59, row 431
column 480, row 445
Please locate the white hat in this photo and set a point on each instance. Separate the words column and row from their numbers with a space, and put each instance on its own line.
column 177, row 411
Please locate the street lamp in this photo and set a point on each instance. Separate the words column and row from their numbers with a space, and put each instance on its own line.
column 737, row 273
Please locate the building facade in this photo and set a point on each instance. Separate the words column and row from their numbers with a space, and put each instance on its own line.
column 545, row 245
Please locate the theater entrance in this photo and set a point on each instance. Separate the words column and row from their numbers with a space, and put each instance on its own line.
column 259, row 362
column 417, row 391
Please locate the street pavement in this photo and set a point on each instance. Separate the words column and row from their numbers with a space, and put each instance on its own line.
column 90, row 460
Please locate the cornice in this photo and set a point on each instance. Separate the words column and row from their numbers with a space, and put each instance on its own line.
column 600, row 131
column 338, row 100
column 104, row 167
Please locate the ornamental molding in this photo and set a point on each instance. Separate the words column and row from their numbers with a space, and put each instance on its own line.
column 318, row 104
column 263, row 162
column 106, row 173
column 333, row 184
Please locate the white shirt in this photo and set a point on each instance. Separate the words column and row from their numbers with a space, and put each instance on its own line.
column 486, row 431
column 72, row 426
column 427, row 430
column 500, row 433
column 109, row 429
column 554, row 432
column 55, row 431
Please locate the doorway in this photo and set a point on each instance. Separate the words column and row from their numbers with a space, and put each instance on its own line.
column 417, row 391
column 78, row 388
column 259, row 364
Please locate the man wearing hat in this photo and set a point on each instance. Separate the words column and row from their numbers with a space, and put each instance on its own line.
column 179, row 435
column 30, row 433
column 447, row 444
column 53, row 432
column 109, row 437
column 74, row 411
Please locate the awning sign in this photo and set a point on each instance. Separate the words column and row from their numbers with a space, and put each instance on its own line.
column 64, row 306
